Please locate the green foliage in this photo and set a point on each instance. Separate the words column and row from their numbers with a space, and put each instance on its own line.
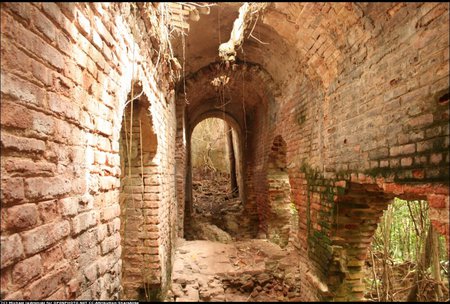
column 209, row 145
column 406, row 223
column 293, row 209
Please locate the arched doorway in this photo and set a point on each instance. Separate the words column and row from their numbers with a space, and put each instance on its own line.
column 356, row 216
column 138, row 145
column 215, row 178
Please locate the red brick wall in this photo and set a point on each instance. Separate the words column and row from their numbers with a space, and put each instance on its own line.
column 372, row 116
column 66, row 72
column 357, row 100
column 354, row 91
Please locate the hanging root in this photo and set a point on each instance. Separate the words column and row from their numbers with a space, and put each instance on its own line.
column 248, row 11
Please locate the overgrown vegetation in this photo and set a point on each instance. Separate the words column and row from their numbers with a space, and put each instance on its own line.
column 408, row 259
column 209, row 146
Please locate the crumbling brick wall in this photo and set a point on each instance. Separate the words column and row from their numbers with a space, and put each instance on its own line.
column 66, row 72
column 366, row 112
column 362, row 105
column 359, row 104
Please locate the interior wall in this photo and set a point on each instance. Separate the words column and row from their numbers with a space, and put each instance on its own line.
column 378, row 119
column 278, row 195
column 66, row 72
column 363, row 102
column 139, row 186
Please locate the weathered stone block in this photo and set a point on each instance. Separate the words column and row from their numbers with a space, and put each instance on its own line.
column 23, row 216
column 48, row 284
column 26, row 270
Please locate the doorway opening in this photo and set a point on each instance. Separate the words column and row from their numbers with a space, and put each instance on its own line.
column 141, row 270
column 216, row 179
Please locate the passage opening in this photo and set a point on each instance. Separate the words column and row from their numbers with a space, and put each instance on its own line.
column 141, row 275
column 216, row 175
column 408, row 258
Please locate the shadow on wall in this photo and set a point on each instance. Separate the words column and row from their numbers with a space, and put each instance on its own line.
column 283, row 218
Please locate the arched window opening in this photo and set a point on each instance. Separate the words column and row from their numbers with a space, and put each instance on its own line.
column 385, row 248
column 408, row 258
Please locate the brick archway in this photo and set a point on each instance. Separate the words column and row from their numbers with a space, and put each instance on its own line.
column 187, row 205
column 138, row 185
column 356, row 214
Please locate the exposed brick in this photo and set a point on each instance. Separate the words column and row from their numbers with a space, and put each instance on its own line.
column 26, row 270
column 39, row 187
column 437, row 201
column 90, row 273
column 419, row 174
column 21, row 144
column 23, row 216
column 11, row 249
column 422, row 120
column 48, row 284
column 102, row 232
column 51, row 258
column 344, row 109
column 71, row 249
column 407, row 161
column 84, row 23
column 61, row 105
column 104, row 126
column 68, row 206
column 69, row 9
column 44, row 25
column 44, row 236
column 110, row 212
column 98, row 42
column 53, row 11
column 60, row 294
column 48, row 211
column 14, row 115
column 15, row 296
column 20, row 90
column 84, row 221
column 24, row 10
column 435, row 158
column 110, row 243
column 12, row 190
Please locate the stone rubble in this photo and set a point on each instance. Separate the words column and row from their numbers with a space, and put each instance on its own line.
column 250, row 270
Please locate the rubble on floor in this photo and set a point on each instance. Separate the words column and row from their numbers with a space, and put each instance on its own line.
column 218, row 214
column 250, row 270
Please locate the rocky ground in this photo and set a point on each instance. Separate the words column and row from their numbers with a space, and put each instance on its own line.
column 219, row 260
column 218, row 214
column 250, row 270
